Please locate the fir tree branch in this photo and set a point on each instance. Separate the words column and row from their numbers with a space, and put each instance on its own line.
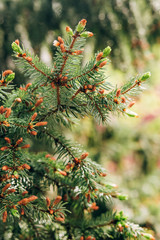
column 37, row 69
column 75, row 36
column 130, row 88
column 57, row 140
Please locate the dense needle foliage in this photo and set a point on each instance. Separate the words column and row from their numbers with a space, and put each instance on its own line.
column 83, row 207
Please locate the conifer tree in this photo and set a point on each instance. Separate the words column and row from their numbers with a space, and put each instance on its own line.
column 39, row 111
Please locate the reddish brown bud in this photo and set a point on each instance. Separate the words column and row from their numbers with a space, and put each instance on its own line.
column 25, row 192
column 56, row 43
column 63, row 173
column 57, row 200
column 89, row 87
column 68, row 29
column 34, row 116
column 29, row 59
column 102, row 64
column 69, row 166
column 7, row 140
column 103, row 174
column 90, row 34
column 99, row 56
column 4, row 218
column 48, row 201
column 27, row 86
column 101, row 91
column 4, row 148
column 32, row 198
column 41, row 124
column 52, row 85
column 81, row 238
column 51, row 211
column 26, row 146
column 118, row 93
column 8, row 112
column 2, row 109
column 24, row 55
column 5, row 123
column 26, row 166
column 84, row 155
column 116, row 101
column 78, row 52
column 17, row 42
column 83, row 22
column 19, row 141
column 94, row 207
column 60, row 40
column 59, row 219
column 89, row 238
column 6, row 187
column 11, row 191
column 18, row 100
column 39, row 101
column 131, row 104
column 120, row 228
column 7, row 72
column 34, row 133
column 123, row 99
column 24, row 201
column 62, row 47
column 5, row 168
column 22, row 211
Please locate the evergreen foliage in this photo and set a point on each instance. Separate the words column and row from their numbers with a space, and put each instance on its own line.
column 83, row 208
column 129, row 27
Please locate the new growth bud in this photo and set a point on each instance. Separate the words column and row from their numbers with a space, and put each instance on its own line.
column 106, row 51
column 16, row 48
column 69, row 31
column 130, row 113
column 7, row 72
column 8, row 112
column 86, row 34
column 81, row 25
column 145, row 76
column 56, row 43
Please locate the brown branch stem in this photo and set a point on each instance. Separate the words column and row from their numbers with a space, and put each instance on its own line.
column 34, row 66
column 76, row 93
column 129, row 88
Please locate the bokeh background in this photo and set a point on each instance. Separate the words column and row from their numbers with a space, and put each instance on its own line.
column 128, row 148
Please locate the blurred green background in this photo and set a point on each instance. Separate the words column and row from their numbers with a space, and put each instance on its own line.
column 128, row 148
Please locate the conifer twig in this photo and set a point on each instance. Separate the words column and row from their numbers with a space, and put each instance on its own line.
column 59, row 142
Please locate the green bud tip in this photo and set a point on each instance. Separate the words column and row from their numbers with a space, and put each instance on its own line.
column 86, row 34
column 107, row 51
column 81, row 25
column 130, row 113
column 16, row 48
column 122, row 197
column 145, row 76
column 10, row 77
